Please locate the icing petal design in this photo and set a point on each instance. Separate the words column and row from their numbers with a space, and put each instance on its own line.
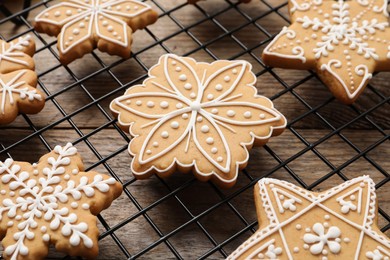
column 196, row 116
column 344, row 41
column 319, row 228
column 52, row 202
column 83, row 24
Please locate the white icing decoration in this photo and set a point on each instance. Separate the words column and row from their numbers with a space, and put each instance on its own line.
column 272, row 252
column 13, row 87
column 378, row 254
column 197, row 108
column 91, row 12
column 347, row 204
column 14, row 53
column 318, row 237
column 41, row 199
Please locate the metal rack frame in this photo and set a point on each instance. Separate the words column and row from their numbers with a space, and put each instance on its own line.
column 21, row 18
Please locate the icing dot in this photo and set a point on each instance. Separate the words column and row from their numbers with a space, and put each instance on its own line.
column 352, row 197
column 179, row 105
column 46, row 14
column 188, row 86
column 219, row 159
column 184, row 116
column 183, row 77
column 234, row 71
column 178, row 69
column 248, row 114
column 362, row 184
column 231, row 113
column 66, row 43
column 338, row 240
column 214, row 111
column 327, row 217
column 18, row 217
column 326, row 224
column 68, row 12
column 76, row 31
column 118, row 7
column 261, row 256
column 193, row 95
column 57, row 14
column 35, row 172
column 210, row 140
column 128, row 8
column 210, row 96
column 298, row 227
column 2, row 192
column 75, row 171
column 155, row 144
column 115, row 33
column 324, row 258
column 306, row 246
column 104, row 23
column 12, row 193
column 296, row 250
column 70, row 38
column 205, row 129
column 110, row 28
column 218, row 87
column 148, row 152
column 347, row 240
column 307, row 230
column 82, row 25
column 262, row 116
column 164, row 104
column 10, row 223
column 324, row 252
column 174, row 62
column 150, row 104
column 66, row 177
column 214, row 150
column 46, row 237
column 226, row 78
column 199, row 119
column 164, row 134
column 85, row 206
column 175, row 125
column 74, row 204
column 79, row 10
column 43, row 229
column 138, row 102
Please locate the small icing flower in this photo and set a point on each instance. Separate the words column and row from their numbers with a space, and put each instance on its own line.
column 320, row 239
column 376, row 255
column 272, row 252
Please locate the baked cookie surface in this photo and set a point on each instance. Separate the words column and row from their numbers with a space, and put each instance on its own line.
column 196, row 116
column 83, row 25
column 343, row 41
column 52, row 202
column 340, row 223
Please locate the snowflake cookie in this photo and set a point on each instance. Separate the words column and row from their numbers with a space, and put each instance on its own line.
column 196, row 116
column 18, row 81
column 52, row 202
column 340, row 223
column 344, row 41
column 82, row 25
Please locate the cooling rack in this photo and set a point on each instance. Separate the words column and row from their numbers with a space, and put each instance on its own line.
column 325, row 142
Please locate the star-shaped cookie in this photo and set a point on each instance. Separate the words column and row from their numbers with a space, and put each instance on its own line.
column 82, row 25
column 343, row 41
column 52, row 202
column 340, row 223
column 196, row 116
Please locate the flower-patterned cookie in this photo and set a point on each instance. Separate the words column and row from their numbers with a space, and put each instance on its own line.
column 18, row 81
column 82, row 25
column 196, row 116
column 340, row 223
column 52, row 202
column 344, row 41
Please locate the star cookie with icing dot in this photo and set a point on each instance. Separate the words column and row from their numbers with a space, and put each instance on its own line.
column 83, row 25
column 196, row 116
column 340, row 223
column 345, row 42
column 52, row 202
column 18, row 81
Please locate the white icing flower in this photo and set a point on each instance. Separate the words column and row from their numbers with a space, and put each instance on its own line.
column 273, row 252
column 41, row 195
column 375, row 255
column 321, row 238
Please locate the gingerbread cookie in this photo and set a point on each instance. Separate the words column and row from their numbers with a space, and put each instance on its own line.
column 340, row 223
column 82, row 25
column 343, row 41
column 18, row 81
column 196, row 116
column 52, row 202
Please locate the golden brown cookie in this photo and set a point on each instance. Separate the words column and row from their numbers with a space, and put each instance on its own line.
column 52, row 202
column 340, row 223
column 83, row 25
column 18, row 81
column 343, row 41
column 195, row 116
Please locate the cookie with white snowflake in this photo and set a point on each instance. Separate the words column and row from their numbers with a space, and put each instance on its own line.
column 340, row 223
column 196, row 116
column 343, row 41
column 82, row 25
column 17, row 54
column 52, row 202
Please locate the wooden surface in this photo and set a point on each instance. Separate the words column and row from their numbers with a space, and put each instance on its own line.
column 221, row 222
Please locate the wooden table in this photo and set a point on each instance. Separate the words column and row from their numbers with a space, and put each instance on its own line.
column 331, row 139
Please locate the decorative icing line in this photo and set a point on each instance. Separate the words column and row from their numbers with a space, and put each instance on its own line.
column 97, row 16
column 333, row 233
column 200, row 118
column 304, row 6
column 13, row 87
column 15, row 50
column 42, row 199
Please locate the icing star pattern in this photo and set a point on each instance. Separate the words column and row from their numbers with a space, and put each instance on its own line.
column 344, row 41
column 196, row 115
column 52, row 202
column 317, row 227
column 81, row 24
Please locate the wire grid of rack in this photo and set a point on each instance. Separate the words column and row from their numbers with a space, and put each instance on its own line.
column 198, row 228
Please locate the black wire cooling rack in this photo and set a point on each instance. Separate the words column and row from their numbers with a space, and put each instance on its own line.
column 324, row 144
